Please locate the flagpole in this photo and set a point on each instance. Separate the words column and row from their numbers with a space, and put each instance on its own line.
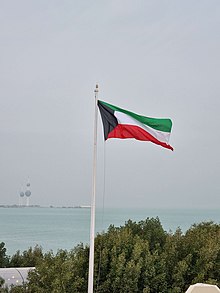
column 92, row 223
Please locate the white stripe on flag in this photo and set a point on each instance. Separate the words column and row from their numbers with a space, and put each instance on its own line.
column 128, row 120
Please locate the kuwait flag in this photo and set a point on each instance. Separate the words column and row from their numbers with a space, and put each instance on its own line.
column 120, row 123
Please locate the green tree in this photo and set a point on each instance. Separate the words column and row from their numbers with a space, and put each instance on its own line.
column 64, row 272
column 150, row 230
column 29, row 258
column 130, row 258
column 193, row 257
column 3, row 257
column 201, row 245
column 2, row 281
column 137, row 257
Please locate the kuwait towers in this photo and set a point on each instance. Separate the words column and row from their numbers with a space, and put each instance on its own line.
column 27, row 194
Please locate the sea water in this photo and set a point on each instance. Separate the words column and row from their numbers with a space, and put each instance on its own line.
column 64, row 228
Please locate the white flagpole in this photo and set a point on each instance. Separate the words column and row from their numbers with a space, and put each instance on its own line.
column 92, row 223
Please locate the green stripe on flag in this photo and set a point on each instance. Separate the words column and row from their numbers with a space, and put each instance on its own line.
column 161, row 124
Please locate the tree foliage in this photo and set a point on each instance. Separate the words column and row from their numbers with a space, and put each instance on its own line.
column 136, row 257
column 3, row 257
column 29, row 258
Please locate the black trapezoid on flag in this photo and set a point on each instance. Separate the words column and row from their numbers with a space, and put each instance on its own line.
column 108, row 119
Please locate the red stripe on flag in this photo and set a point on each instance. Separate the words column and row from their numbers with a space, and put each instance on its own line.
column 124, row 131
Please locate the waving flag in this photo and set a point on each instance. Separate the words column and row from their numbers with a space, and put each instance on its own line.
column 120, row 123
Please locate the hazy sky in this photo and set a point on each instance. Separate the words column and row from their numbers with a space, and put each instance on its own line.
column 155, row 58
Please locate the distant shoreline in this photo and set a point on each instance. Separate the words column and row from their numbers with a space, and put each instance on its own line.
column 38, row 206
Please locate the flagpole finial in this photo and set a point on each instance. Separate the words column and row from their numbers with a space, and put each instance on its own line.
column 96, row 88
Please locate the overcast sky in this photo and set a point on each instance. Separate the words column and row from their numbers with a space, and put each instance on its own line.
column 155, row 58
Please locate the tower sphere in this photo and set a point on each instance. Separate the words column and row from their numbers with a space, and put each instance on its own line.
column 28, row 193
column 21, row 194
